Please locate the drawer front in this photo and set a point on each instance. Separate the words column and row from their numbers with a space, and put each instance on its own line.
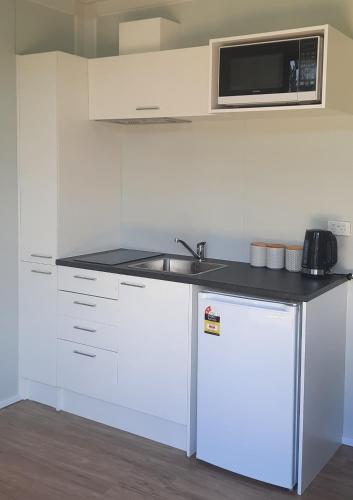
column 87, row 308
column 88, row 333
column 88, row 370
column 88, row 282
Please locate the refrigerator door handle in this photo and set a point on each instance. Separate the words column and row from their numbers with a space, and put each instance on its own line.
column 246, row 302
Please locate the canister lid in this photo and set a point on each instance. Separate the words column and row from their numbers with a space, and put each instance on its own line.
column 294, row 247
column 259, row 244
column 275, row 245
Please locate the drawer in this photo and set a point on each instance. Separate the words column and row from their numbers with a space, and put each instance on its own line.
column 88, row 333
column 88, row 282
column 87, row 308
column 88, row 370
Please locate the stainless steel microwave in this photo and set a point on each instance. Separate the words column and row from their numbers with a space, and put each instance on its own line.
column 280, row 72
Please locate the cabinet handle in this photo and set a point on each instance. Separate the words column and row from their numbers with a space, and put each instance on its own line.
column 87, row 278
column 84, row 304
column 47, row 273
column 148, row 108
column 134, row 285
column 39, row 256
column 80, row 353
column 89, row 330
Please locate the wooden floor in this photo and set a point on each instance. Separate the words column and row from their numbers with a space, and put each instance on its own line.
column 45, row 455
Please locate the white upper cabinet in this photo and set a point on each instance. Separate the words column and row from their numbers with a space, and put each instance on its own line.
column 68, row 166
column 171, row 83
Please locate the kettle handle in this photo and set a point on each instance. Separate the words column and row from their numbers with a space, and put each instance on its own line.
column 332, row 250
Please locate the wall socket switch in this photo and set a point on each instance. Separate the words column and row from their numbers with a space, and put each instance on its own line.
column 340, row 228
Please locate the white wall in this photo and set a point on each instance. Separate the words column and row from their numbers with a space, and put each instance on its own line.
column 204, row 19
column 234, row 181
column 8, row 204
column 40, row 29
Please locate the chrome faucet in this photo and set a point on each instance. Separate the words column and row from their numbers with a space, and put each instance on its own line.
column 200, row 251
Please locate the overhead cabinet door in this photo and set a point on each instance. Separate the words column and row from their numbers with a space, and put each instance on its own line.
column 171, row 83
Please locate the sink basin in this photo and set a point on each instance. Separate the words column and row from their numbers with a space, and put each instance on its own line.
column 178, row 266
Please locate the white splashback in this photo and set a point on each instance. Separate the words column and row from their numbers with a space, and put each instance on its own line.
column 230, row 182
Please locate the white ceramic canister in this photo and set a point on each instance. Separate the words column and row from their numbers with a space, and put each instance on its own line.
column 275, row 256
column 258, row 252
column 294, row 255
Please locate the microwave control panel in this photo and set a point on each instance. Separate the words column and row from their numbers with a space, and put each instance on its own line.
column 308, row 65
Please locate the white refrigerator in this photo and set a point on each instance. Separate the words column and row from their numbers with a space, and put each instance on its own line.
column 248, row 352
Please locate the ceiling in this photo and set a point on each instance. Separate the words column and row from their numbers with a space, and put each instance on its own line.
column 131, row 3
column 108, row 7
column 104, row 7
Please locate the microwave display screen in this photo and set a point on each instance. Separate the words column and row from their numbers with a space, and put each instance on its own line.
column 264, row 72
column 260, row 68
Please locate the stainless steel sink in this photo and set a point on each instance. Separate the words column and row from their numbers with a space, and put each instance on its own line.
column 178, row 266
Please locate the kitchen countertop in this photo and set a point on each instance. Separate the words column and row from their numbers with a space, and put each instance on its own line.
column 237, row 277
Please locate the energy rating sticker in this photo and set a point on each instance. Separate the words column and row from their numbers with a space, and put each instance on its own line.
column 212, row 323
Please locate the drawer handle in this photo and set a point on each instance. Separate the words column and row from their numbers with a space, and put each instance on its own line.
column 89, row 330
column 148, row 108
column 39, row 256
column 47, row 273
column 134, row 285
column 80, row 353
column 87, row 278
column 86, row 304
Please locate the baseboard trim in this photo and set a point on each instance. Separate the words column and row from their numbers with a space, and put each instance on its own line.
column 128, row 420
column 347, row 441
column 10, row 401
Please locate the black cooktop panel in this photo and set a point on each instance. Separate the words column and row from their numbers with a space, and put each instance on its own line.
column 115, row 257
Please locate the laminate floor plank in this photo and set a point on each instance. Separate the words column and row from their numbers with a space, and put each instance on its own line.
column 46, row 455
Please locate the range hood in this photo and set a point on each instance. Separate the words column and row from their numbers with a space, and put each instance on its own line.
column 146, row 121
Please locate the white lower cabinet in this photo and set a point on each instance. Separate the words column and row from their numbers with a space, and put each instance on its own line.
column 154, row 347
column 83, row 307
column 88, row 333
column 88, row 282
column 88, row 370
column 149, row 327
column 125, row 362
column 38, row 291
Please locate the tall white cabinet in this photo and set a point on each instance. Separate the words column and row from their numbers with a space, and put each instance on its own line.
column 68, row 194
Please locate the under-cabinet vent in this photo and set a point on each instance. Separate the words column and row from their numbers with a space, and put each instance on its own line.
column 147, row 121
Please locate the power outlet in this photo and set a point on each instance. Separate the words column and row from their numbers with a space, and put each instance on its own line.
column 340, row 228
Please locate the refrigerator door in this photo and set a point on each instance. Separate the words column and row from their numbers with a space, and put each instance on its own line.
column 247, row 372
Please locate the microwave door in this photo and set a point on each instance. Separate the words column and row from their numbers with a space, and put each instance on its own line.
column 259, row 74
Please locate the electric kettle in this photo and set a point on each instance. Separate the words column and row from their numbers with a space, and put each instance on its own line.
column 319, row 253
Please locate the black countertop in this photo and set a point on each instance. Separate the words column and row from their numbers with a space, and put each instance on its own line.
column 237, row 277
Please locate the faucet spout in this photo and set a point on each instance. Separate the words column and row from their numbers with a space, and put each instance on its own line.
column 200, row 254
